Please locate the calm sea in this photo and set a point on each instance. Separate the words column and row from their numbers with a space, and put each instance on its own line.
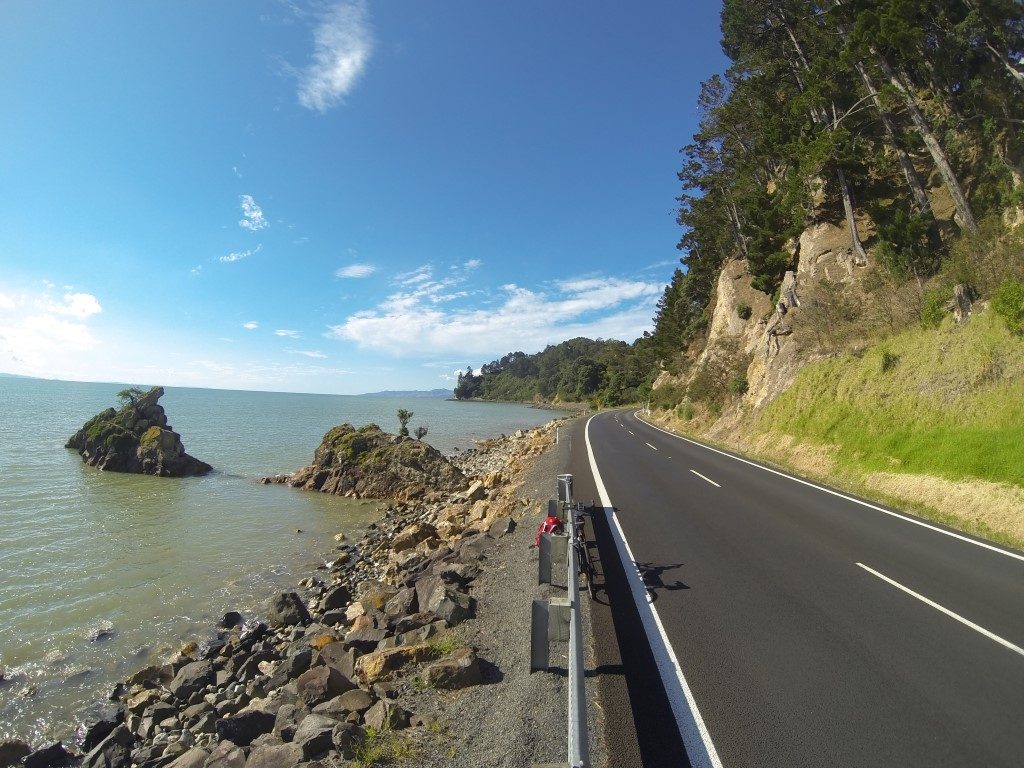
column 155, row 561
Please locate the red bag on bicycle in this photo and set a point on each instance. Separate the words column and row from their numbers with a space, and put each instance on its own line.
column 551, row 525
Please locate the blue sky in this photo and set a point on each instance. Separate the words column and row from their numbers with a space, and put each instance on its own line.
column 335, row 197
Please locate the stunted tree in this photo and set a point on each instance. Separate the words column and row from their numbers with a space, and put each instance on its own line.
column 420, row 432
column 130, row 396
column 403, row 421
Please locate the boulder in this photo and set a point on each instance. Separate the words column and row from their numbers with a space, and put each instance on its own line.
column 475, row 492
column 288, row 717
column 319, row 684
column 275, row 756
column 314, row 735
column 356, row 700
column 115, row 751
column 439, row 598
column 287, row 609
column 413, row 535
column 347, row 738
column 501, row 527
column 335, row 598
column 135, row 439
column 339, row 657
column 402, row 603
column 192, row 678
column 100, row 729
column 12, row 751
column 373, row 666
column 459, row 669
column 193, row 758
column 385, row 715
column 242, row 728
column 370, row 463
column 51, row 755
column 365, row 640
column 226, row 755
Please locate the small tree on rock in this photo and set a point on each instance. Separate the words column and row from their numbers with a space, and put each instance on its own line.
column 129, row 396
column 403, row 421
column 420, row 432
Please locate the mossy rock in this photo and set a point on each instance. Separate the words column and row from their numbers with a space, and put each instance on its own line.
column 368, row 462
column 127, row 440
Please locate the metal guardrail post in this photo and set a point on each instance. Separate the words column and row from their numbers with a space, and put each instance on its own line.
column 548, row 622
column 579, row 749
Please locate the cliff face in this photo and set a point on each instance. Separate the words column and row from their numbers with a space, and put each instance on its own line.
column 754, row 348
column 136, row 439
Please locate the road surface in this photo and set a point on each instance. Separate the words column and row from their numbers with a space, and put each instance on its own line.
column 809, row 628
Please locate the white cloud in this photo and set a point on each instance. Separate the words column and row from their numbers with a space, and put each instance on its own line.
column 418, row 275
column 239, row 255
column 314, row 353
column 416, row 322
column 285, row 333
column 252, row 325
column 472, row 264
column 196, row 270
column 36, row 331
column 356, row 270
column 252, row 215
column 80, row 305
column 342, row 47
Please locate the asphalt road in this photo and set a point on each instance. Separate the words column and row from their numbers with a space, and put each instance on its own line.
column 809, row 629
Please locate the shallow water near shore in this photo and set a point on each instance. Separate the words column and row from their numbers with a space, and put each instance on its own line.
column 102, row 573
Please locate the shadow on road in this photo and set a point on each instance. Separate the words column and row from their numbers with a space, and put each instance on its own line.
column 657, row 735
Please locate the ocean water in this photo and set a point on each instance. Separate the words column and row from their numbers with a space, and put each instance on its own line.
column 153, row 563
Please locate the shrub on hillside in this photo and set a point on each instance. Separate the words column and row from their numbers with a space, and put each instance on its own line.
column 1008, row 303
column 933, row 307
column 744, row 311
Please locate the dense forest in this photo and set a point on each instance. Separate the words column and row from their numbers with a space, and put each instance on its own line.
column 888, row 109
column 900, row 120
column 602, row 372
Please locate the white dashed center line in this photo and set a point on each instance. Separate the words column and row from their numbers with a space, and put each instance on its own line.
column 708, row 479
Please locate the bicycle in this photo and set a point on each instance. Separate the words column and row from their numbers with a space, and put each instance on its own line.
column 579, row 543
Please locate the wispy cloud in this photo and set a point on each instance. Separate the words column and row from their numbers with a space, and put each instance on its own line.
column 252, row 215
column 342, row 43
column 80, row 305
column 196, row 270
column 418, row 321
column 285, row 333
column 239, row 255
column 314, row 353
column 356, row 270
column 252, row 325
column 472, row 264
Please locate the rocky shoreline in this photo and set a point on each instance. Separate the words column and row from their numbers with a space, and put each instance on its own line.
column 344, row 670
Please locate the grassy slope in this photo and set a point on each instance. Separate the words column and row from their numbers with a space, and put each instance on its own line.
column 946, row 402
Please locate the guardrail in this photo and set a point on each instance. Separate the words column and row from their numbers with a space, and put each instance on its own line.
column 559, row 619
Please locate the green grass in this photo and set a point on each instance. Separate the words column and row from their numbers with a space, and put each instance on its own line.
column 947, row 401
column 383, row 747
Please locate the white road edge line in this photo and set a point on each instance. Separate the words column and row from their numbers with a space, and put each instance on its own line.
column 696, row 739
column 650, row 446
column 808, row 483
column 630, row 432
column 698, row 474
column 936, row 606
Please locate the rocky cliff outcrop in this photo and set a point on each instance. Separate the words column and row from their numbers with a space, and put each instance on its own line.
column 136, row 438
column 370, row 463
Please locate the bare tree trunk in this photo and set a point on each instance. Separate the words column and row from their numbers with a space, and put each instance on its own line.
column 860, row 257
column 913, row 180
column 931, row 141
column 1000, row 60
column 821, row 118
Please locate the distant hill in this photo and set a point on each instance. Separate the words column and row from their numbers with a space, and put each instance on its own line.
column 414, row 393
